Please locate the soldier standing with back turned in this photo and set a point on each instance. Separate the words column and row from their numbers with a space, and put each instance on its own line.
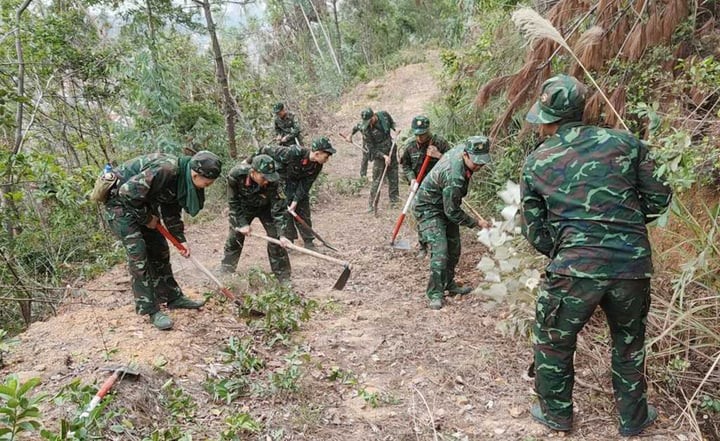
column 587, row 193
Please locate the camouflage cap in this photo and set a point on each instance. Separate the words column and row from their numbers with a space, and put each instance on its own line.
column 366, row 116
column 266, row 165
column 420, row 125
column 206, row 164
column 277, row 107
column 561, row 97
column 322, row 144
column 478, row 148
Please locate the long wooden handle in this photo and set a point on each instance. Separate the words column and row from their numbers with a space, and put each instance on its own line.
column 474, row 211
column 223, row 290
column 301, row 249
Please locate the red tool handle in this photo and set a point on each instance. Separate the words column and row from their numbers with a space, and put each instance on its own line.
column 418, row 179
column 108, row 384
column 164, row 231
column 423, row 168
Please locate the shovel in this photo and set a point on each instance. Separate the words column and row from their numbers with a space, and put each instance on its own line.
column 305, row 225
column 341, row 281
column 414, row 185
column 223, row 290
column 118, row 373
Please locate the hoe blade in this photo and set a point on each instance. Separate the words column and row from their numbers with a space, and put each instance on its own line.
column 342, row 280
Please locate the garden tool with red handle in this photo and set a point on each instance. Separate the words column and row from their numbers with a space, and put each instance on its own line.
column 414, row 185
column 307, row 227
column 118, row 373
column 223, row 290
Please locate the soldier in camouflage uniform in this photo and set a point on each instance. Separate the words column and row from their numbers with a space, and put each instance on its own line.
column 375, row 128
column 287, row 127
column 437, row 209
column 299, row 167
column 424, row 144
column 587, row 193
column 254, row 192
column 151, row 187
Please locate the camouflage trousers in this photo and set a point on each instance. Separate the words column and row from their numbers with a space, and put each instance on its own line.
column 443, row 239
column 564, row 305
column 391, row 178
column 148, row 257
column 293, row 227
column 277, row 255
column 364, row 164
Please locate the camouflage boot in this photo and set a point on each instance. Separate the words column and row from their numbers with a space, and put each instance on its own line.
column 161, row 321
column 185, row 303
column 457, row 290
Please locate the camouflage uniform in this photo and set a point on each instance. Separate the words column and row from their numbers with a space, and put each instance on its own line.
column 299, row 173
column 414, row 155
column 248, row 200
column 587, row 193
column 439, row 214
column 150, row 185
column 288, row 125
column 378, row 142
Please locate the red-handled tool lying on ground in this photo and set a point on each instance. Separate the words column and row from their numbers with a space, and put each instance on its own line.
column 223, row 290
column 382, row 178
column 414, row 185
column 341, row 281
column 305, row 225
column 118, row 373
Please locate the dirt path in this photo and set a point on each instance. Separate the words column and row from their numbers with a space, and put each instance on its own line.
column 444, row 374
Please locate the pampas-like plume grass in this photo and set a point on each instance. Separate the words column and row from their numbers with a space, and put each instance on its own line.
column 490, row 89
column 588, row 50
column 535, row 27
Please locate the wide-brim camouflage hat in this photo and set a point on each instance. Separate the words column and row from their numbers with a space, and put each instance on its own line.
column 265, row 165
column 478, row 149
column 561, row 97
column 206, row 164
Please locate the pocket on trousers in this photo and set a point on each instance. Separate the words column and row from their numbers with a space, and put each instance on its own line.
column 548, row 307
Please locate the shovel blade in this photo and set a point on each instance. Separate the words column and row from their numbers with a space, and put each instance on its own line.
column 342, row 280
column 401, row 244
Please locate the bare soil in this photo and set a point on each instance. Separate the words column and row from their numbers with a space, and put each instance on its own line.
column 445, row 374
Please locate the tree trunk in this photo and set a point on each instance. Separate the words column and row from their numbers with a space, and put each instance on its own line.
column 222, row 80
column 20, row 77
column 327, row 39
column 312, row 34
column 337, row 32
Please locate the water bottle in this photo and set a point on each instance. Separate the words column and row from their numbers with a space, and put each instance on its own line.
column 107, row 173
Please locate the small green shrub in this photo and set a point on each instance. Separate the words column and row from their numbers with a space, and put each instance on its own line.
column 19, row 412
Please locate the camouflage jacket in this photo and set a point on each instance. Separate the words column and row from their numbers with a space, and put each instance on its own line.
column 587, row 193
column 443, row 189
column 296, row 168
column 377, row 139
column 414, row 155
column 247, row 199
column 290, row 127
column 148, row 186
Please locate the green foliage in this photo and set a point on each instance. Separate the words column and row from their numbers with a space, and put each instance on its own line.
column 280, row 308
column 241, row 354
column 179, row 403
column 226, row 390
column 347, row 186
column 286, row 380
column 19, row 412
column 710, row 404
column 171, row 434
column 239, row 424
